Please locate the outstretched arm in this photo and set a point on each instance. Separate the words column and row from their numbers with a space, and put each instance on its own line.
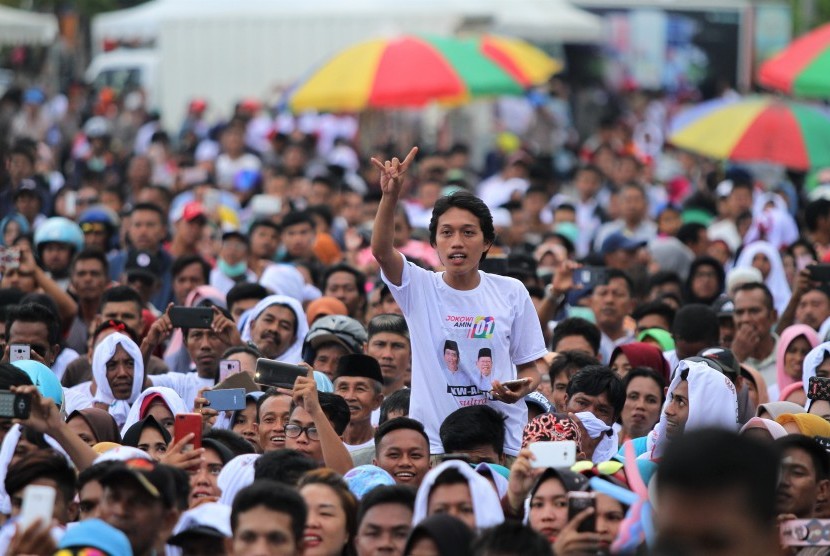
column 391, row 174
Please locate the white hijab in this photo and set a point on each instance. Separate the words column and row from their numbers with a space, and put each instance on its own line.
column 776, row 281
column 812, row 361
column 713, row 403
column 236, row 475
column 7, row 449
column 284, row 279
column 171, row 398
column 486, row 503
column 102, row 354
column 294, row 353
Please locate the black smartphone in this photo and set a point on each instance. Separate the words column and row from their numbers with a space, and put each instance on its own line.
column 15, row 406
column 577, row 503
column 820, row 272
column 275, row 373
column 589, row 277
column 191, row 317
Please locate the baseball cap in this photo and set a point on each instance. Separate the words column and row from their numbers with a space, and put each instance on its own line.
column 724, row 307
column 155, row 479
column 617, row 241
column 339, row 329
column 27, row 187
column 142, row 265
column 190, row 211
column 210, row 519
column 539, row 400
column 95, row 533
column 725, row 358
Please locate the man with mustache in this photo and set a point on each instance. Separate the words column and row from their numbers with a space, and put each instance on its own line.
column 277, row 327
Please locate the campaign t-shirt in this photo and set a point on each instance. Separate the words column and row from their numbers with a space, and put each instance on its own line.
column 464, row 340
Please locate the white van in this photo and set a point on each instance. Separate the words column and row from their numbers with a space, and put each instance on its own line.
column 127, row 69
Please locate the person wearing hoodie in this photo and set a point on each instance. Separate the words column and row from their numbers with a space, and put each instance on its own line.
column 699, row 397
column 794, row 345
column 455, row 489
column 706, row 281
column 277, row 326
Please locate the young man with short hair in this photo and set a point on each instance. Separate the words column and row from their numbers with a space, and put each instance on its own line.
column 384, row 520
column 88, row 278
column 576, row 334
column 804, row 478
column 267, row 519
column 478, row 431
column 188, row 272
column 347, row 284
column 473, row 308
column 402, row 450
column 611, row 303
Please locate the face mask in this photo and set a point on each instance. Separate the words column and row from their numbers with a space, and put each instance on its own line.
column 232, row 271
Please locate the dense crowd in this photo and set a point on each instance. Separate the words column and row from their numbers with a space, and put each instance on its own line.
column 479, row 344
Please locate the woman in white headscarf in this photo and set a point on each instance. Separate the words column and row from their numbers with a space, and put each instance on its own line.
column 765, row 257
column 711, row 401
column 236, row 475
column 140, row 409
column 294, row 353
column 484, row 502
column 103, row 394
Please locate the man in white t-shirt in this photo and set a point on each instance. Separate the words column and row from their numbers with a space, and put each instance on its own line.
column 464, row 305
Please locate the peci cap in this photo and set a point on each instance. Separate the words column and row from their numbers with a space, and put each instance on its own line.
column 359, row 365
column 618, row 241
column 451, row 345
column 155, row 479
column 485, row 352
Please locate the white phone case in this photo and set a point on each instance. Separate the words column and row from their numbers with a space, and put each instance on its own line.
column 553, row 454
column 38, row 504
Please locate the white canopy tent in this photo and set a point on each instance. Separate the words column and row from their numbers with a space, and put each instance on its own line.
column 24, row 27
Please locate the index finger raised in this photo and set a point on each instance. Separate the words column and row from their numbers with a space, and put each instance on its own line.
column 409, row 158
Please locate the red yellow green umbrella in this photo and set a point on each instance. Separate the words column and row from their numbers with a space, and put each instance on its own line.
column 756, row 129
column 801, row 69
column 412, row 71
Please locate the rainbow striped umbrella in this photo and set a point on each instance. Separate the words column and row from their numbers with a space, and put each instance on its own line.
column 412, row 71
column 801, row 69
column 756, row 129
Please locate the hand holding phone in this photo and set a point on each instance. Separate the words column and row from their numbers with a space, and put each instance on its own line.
column 818, row 388
column 579, row 502
column 516, row 385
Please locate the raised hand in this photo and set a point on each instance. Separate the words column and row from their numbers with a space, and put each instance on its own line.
column 392, row 171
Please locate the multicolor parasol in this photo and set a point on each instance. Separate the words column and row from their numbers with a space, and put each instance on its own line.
column 756, row 129
column 801, row 69
column 412, row 71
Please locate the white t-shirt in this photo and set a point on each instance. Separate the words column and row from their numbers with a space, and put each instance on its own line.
column 498, row 315
column 355, row 447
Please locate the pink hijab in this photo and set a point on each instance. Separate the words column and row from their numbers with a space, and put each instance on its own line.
column 788, row 336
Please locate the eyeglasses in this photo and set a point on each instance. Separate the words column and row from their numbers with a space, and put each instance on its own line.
column 294, row 431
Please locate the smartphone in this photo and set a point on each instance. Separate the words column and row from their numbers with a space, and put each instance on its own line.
column 191, row 317
column 228, row 367
column 590, row 277
column 818, row 388
column 820, row 272
column 275, row 373
column 15, row 406
column 232, row 399
column 184, row 424
column 553, row 454
column 71, row 203
column 20, row 352
column 9, row 258
column 803, row 261
column 804, row 532
column 577, row 503
column 38, row 505
column 823, row 441
column 515, row 384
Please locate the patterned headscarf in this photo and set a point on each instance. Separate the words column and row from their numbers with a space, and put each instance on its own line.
column 550, row 427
